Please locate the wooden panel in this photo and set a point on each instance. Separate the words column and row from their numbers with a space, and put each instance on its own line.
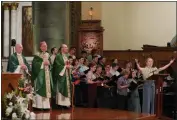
column 9, row 82
column 160, row 57
column 90, row 36
column 27, row 30
column 75, row 16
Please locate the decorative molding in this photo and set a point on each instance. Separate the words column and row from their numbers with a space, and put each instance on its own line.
column 75, row 15
column 27, row 30
column 14, row 5
column 6, row 6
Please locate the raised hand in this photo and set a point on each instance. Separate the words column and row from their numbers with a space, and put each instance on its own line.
column 172, row 60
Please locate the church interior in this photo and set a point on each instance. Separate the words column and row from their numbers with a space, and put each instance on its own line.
column 88, row 60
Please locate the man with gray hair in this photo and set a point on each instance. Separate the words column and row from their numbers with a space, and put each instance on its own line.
column 17, row 62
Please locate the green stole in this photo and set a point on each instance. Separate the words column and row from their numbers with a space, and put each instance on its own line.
column 13, row 63
column 60, row 81
column 38, row 76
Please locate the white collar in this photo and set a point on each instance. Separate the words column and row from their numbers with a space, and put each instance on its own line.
column 19, row 54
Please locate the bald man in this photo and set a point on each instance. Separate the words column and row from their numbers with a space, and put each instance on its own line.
column 17, row 62
column 62, row 77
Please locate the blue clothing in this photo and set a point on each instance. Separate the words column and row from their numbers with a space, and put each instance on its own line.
column 148, row 97
column 121, row 82
column 134, row 102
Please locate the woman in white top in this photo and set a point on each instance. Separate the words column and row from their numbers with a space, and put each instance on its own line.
column 149, row 86
column 90, row 75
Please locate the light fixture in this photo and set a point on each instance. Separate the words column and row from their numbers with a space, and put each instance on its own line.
column 91, row 13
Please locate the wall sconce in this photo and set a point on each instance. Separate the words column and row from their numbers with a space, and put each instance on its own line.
column 91, row 13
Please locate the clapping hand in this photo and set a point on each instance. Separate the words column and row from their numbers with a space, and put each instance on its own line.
column 46, row 62
column 23, row 66
column 68, row 66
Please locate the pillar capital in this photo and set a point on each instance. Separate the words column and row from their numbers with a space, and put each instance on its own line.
column 14, row 5
column 6, row 6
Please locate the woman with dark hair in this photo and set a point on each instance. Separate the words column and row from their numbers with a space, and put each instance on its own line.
column 101, row 62
column 72, row 52
column 134, row 100
column 114, row 60
column 54, row 52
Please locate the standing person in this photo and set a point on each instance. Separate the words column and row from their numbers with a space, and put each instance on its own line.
column 17, row 62
column 113, row 69
column 84, row 54
column 122, row 90
column 134, row 100
column 54, row 52
column 149, row 86
column 102, row 62
column 72, row 52
column 90, row 75
column 41, row 76
column 94, row 52
column 62, row 76
column 95, row 60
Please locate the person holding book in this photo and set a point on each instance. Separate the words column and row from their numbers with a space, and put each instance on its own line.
column 134, row 100
column 122, row 90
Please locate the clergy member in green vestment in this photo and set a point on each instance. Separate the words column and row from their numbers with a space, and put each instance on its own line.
column 42, row 79
column 17, row 62
column 62, row 77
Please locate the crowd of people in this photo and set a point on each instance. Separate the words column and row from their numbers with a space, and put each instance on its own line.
column 53, row 75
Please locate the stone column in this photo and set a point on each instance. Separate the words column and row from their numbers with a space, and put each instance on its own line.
column 14, row 29
column 6, row 30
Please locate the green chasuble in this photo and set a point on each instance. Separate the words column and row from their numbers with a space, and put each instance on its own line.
column 60, row 81
column 13, row 63
column 39, row 78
